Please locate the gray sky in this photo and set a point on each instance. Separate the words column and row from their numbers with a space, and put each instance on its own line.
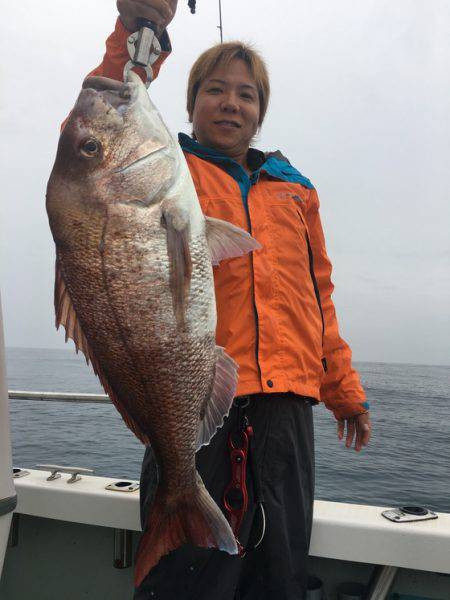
column 360, row 105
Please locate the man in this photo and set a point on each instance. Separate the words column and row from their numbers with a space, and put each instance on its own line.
column 275, row 318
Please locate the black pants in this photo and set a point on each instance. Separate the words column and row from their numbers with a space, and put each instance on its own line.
column 277, row 569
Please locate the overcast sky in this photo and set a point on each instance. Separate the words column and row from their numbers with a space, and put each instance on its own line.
column 360, row 105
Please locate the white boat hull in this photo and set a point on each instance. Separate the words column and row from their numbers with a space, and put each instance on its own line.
column 5, row 524
column 7, row 491
column 74, row 529
column 73, row 560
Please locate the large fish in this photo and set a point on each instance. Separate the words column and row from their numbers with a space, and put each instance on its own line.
column 134, row 290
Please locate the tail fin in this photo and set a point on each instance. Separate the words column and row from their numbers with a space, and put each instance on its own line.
column 173, row 521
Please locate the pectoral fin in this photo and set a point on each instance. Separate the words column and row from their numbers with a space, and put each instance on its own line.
column 227, row 241
column 180, row 262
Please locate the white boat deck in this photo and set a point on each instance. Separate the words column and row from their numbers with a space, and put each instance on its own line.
column 348, row 532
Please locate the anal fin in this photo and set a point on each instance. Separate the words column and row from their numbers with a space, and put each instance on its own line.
column 218, row 405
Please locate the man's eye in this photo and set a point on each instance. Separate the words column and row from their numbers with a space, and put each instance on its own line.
column 247, row 96
column 214, row 90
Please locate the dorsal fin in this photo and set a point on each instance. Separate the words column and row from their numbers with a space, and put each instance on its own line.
column 227, row 241
column 67, row 317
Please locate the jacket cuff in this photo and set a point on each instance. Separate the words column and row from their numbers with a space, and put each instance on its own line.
column 347, row 410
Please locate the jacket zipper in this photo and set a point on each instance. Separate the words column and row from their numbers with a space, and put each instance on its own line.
column 255, row 310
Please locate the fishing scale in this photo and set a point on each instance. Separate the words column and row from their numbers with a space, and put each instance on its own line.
column 144, row 47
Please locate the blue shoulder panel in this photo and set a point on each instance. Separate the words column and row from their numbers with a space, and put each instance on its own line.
column 281, row 169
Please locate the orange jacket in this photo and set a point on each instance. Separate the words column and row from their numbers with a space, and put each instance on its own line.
column 275, row 313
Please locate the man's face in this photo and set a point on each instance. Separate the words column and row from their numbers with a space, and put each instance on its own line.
column 226, row 110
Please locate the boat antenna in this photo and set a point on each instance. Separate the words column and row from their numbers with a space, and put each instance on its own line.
column 220, row 26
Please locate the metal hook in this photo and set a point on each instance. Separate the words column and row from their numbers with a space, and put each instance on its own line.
column 263, row 528
column 148, row 72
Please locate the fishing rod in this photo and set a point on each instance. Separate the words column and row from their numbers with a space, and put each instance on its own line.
column 220, row 26
column 192, row 6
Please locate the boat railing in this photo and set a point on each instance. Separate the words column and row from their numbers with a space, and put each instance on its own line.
column 58, row 397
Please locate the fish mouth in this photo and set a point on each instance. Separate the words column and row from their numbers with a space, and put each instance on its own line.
column 115, row 93
column 117, row 98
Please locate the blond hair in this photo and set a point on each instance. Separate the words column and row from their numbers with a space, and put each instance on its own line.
column 223, row 54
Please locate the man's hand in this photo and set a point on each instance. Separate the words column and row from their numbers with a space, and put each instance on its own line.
column 161, row 12
column 359, row 425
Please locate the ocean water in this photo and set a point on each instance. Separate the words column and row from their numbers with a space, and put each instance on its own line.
column 407, row 461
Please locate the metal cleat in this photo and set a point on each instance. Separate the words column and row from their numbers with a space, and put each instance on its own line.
column 56, row 471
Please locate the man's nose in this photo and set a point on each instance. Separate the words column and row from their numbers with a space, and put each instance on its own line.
column 230, row 104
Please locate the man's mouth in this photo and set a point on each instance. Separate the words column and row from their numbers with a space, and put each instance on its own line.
column 228, row 123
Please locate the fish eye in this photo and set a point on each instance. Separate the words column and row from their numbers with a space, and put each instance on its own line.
column 90, row 147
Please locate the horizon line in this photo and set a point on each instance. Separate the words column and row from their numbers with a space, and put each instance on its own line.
column 380, row 362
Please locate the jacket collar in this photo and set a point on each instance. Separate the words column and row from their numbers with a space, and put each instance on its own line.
column 273, row 163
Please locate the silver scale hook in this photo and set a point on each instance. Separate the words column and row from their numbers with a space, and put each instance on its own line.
column 144, row 49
